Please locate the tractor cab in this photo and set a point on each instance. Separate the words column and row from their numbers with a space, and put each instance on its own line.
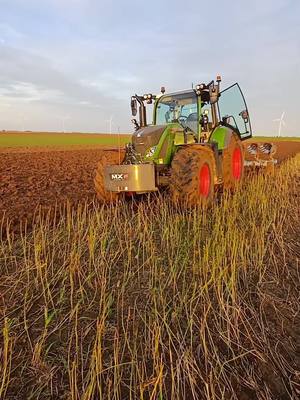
column 197, row 111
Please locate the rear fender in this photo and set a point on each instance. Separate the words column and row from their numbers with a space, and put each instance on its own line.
column 221, row 135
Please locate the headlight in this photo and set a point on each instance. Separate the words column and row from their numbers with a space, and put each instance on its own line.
column 151, row 151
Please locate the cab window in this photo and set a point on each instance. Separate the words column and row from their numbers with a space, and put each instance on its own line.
column 181, row 108
column 233, row 110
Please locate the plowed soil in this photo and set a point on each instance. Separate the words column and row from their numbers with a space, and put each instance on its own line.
column 30, row 177
column 44, row 177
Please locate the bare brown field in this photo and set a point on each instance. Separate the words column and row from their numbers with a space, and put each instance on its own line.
column 47, row 149
column 35, row 176
column 287, row 150
column 44, row 178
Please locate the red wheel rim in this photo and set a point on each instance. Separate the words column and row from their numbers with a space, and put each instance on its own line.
column 204, row 181
column 129, row 194
column 237, row 164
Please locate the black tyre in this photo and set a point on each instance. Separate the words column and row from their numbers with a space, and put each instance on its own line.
column 193, row 175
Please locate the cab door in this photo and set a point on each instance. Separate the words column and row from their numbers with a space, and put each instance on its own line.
column 233, row 111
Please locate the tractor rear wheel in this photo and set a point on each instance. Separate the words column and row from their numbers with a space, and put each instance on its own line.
column 233, row 163
column 193, row 176
column 107, row 157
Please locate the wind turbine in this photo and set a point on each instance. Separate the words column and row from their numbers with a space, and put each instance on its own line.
column 63, row 122
column 281, row 123
column 110, row 123
column 23, row 119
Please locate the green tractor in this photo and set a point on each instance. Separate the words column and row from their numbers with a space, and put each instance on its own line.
column 193, row 146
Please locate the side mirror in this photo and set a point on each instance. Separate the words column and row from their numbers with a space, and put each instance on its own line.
column 135, row 123
column 133, row 106
column 244, row 114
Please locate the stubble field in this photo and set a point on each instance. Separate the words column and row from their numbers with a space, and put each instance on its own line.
column 147, row 301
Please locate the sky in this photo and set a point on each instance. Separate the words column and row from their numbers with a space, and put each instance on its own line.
column 73, row 64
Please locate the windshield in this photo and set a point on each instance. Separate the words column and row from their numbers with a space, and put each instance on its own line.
column 181, row 107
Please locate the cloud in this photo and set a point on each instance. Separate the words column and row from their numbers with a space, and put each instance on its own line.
column 28, row 75
column 8, row 32
column 30, row 82
column 85, row 58
column 27, row 92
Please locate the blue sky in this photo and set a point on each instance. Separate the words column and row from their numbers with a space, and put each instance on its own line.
column 80, row 60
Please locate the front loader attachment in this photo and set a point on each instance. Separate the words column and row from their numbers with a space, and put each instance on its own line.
column 260, row 155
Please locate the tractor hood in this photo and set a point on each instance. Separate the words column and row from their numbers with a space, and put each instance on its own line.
column 147, row 137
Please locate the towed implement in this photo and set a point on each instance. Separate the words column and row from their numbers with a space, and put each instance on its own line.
column 193, row 146
column 261, row 155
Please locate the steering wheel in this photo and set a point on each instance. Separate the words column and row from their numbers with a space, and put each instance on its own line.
column 183, row 118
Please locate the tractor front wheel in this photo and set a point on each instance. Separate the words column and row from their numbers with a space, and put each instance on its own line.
column 107, row 157
column 193, row 176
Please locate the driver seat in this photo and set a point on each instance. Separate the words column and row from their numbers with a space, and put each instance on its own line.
column 192, row 122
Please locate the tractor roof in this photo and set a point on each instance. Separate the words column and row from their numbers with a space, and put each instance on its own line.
column 182, row 96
